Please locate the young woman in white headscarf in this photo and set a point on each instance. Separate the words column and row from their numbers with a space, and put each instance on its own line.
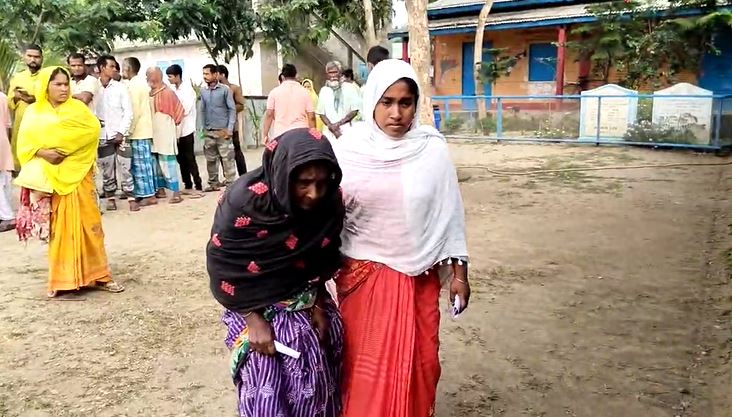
column 403, row 239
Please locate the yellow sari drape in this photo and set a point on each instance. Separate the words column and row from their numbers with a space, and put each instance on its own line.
column 308, row 84
column 70, row 128
column 76, row 253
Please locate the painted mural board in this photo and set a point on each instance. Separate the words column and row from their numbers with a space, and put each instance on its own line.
column 617, row 106
column 692, row 113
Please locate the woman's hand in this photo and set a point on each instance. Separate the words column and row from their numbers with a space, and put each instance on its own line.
column 52, row 156
column 321, row 322
column 459, row 286
column 261, row 335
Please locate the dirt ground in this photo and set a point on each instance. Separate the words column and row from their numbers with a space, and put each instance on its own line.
column 601, row 293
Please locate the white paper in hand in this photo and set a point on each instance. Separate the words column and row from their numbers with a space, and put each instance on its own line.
column 279, row 347
column 456, row 307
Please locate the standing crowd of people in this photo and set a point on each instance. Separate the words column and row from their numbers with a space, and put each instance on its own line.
column 329, row 258
column 64, row 127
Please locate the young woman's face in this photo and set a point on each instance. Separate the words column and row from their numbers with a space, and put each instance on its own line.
column 395, row 111
column 58, row 89
column 310, row 184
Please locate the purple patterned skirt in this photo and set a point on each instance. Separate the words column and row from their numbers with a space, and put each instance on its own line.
column 281, row 386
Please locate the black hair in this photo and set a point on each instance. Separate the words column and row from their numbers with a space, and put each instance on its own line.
column 412, row 86
column 75, row 55
column 281, row 77
column 289, row 71
column 134, row 64
column 116, row 65
column 377, row 54
column 174, row 69
column 57, row 71
column 224, row 70
column 103, row 59
column 348, row 73
column 212, row 68
column 32, row 47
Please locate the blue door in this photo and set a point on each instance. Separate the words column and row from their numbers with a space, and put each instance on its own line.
column 716, row 70
column 469, row 78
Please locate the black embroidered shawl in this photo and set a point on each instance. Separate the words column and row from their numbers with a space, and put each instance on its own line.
column 263, row 249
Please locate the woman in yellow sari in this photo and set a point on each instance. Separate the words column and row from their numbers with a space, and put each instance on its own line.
column 308, row 84
column 57, row 150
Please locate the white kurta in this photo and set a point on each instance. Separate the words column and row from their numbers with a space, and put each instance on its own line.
column 165, row 134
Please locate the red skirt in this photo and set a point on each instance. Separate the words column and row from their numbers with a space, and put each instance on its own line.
column 391, row 324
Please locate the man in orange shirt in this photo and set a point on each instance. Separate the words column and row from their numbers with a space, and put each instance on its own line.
column 289, row 106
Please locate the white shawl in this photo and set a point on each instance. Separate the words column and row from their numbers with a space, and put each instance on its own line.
column 403, row 203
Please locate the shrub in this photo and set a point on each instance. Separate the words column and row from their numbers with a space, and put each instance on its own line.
column 453, row 124
column 646, row 131
column 486, row 125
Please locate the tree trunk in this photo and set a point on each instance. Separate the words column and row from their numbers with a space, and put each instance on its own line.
column 478, row 55
column 420, row 55
column 368, row 12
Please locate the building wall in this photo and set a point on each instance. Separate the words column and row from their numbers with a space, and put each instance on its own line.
column 448, row 64
column 194, row 57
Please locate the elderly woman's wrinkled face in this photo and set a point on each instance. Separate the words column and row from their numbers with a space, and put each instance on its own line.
column 309, row 184
column 58, row 89
column 395, row 110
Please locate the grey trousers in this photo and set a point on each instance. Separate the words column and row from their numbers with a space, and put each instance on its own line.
column 113, row 162
column 218, row 150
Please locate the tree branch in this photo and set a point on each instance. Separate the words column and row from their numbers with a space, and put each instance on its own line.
column 39, row 23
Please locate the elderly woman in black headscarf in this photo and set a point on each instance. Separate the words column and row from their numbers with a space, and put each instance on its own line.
column 274, row 242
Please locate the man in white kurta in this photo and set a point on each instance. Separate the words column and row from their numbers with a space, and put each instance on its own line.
column 337, row 106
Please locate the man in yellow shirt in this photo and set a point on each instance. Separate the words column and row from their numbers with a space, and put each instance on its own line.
column 141, row 133
column 22, row 93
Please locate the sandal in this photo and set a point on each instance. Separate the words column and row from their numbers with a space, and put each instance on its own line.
column 160, row 194
column 176, row 199
column 149, row 201
column 111, row 205
column 110, row 286
column 134, row 206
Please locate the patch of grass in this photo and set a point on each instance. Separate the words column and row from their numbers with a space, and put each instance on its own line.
column 577, row 180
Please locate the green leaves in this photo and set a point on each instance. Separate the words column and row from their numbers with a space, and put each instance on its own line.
column 647, row 51
column 497, row 66
column 65, row 26
column 226, row 27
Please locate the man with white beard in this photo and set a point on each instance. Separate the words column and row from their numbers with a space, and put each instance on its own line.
column 337, row 106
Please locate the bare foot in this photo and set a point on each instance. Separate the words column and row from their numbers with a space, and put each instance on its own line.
column 134, row 206
column 160, row 193
column 111, row 205
column 176, row 198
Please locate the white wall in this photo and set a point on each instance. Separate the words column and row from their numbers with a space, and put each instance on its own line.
column 194, row 57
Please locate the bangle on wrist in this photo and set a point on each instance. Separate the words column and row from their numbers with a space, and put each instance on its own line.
column 460, row 280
